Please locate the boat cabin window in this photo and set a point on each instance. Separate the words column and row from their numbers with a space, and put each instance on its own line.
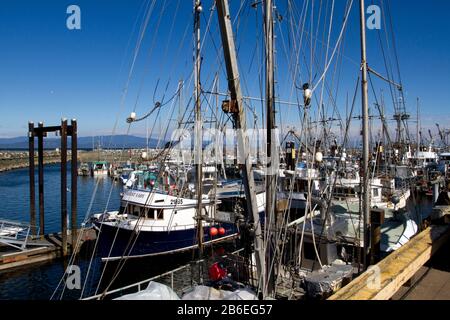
column 135, row 210
column 160, row 214
column 344, row 191
column 376, row 192
column 150, row 213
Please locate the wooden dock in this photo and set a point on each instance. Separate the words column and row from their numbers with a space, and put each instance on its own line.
column 39, row 250
column 432, row 281
column 397, row 269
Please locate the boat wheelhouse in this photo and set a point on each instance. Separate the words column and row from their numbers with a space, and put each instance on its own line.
column 99, row 168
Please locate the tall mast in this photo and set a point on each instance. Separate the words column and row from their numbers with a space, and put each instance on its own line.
column 146, row 140
column 270, row 123
column 365, row 113
column 198, row 126
column 234, row 86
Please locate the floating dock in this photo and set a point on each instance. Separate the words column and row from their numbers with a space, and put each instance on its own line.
column 40, row 250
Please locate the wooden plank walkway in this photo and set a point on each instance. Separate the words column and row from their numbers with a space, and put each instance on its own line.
column 398, row 268
column 432, row 282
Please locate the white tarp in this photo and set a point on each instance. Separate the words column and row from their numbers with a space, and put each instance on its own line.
column 209, row 293
column 203, row 293
column 154, row 291
column 241, row 294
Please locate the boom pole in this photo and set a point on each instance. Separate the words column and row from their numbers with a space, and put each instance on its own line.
column 270, row 123
column 365, row 158
column 198, row 127
column 234, row 86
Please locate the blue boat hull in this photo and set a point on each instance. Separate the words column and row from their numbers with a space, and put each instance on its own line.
column 151, row 243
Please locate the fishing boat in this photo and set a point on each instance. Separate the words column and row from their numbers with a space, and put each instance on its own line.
column 130, row 178
column 444, row 164
column 84, row 170
column 99, row 168
column 152, row 222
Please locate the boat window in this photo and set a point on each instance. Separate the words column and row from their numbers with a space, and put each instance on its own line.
column 150, row 213
column 136, row 210
column 122, row 210
column 376, row 192
column 160, row 214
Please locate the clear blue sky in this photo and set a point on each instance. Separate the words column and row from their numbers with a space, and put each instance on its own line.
column 48, row 71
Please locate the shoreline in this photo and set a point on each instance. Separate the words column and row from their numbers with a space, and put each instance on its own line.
column 15, row 160
column 23, row 165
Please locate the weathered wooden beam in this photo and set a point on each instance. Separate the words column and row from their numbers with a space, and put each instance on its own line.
column 41, row 181
column 73, row 181
column 376, row 219
column 64, row 185
column 44, row 130
column 31, row 175
column 396, row 269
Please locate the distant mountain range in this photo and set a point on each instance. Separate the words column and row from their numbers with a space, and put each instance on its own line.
column 105, row 142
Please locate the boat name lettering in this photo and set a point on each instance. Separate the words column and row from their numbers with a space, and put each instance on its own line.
column 137, row 194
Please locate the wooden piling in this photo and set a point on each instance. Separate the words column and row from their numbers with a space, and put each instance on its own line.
column 41, row 179
column 64, row 186
column 65, row 131
column 31, row 173
column 73, row 181
column 376, row 220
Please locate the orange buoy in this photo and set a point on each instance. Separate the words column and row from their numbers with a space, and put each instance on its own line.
column 221, row 231
column 213, row 231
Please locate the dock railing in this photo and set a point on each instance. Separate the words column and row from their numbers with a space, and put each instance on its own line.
column 14, row 234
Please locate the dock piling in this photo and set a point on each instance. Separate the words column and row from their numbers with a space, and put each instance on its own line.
column 73, row 182
column 32, row 182
column 64, row 186
column 41, row 179
column 376, row 219
column 41, row 132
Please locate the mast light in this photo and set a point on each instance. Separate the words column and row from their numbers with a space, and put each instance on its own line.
column 307, row 94
column 132, row 117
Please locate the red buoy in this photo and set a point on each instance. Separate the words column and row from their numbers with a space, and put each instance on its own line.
column 221, row 231
column 213, row 232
